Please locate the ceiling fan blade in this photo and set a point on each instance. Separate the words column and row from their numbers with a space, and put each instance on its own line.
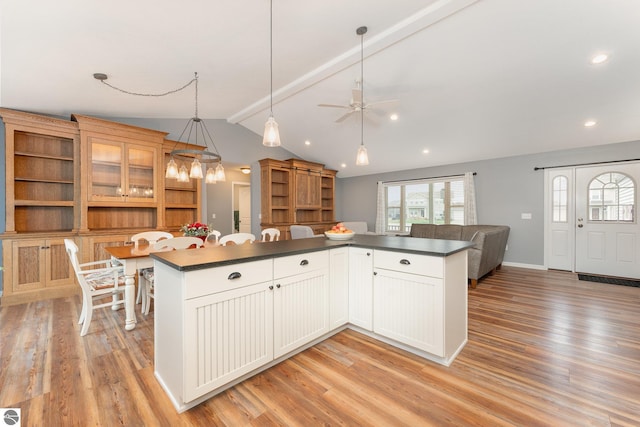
column 333, row 106
column 388, row 101
column 344, row 117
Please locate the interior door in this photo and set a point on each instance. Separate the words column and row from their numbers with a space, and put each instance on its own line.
column 244, row 208
column 607, row 231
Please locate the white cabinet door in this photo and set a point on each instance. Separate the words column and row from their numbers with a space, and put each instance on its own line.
column 361, row 287
column 338, row 287
column 227, row 335
column 301, row 310
column 409, row 308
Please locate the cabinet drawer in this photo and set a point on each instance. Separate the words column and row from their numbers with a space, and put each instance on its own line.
column 297, row 264
column 409, row 263
column 227, row 277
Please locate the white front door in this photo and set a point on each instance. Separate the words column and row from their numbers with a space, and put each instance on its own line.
column 607, row 233
column 244, row 208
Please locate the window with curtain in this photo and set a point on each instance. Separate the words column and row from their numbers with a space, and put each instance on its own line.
column 437, row 201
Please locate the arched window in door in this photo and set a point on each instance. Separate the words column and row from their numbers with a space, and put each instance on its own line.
column 612, row 198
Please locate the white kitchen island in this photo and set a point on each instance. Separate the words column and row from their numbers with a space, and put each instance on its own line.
column 224, row 314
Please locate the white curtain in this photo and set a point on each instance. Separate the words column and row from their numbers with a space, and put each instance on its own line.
column 470, row 211
column 380, row 213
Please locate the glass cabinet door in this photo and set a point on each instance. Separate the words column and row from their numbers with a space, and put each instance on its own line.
column 141, row 183
column 122, row 172
column 106, row 175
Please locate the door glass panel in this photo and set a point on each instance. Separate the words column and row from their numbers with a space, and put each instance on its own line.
column 560, row 199
column 106, row 171
column 612, row 198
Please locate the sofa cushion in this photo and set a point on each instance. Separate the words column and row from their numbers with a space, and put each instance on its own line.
column 427, row 231
column 448, row 232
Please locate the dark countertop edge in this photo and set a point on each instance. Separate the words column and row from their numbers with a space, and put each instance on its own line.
column 191, row 261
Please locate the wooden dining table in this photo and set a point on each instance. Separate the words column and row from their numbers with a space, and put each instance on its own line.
column 133, row 259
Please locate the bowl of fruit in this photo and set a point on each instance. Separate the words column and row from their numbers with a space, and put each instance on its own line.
column 339, row 232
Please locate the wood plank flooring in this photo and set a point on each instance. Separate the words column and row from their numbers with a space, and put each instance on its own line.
column 544, row 350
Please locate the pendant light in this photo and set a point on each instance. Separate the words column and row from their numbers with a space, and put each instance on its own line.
column 197, row 157
column 362, row 159
column 271, row 134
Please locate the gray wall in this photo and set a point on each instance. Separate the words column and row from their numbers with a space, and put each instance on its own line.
column 505, row 188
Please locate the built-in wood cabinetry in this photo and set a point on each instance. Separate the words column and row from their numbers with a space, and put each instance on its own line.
column 122, row 175
column 41, row 174
column 297, row 192
column 93, row 180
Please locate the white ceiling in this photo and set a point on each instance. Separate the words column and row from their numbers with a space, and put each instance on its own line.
column 473, row 79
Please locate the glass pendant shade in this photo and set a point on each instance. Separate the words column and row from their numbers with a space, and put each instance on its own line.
column 220, row 176
column 183, row 174
column 271, row 133
column 196, row 169
column 172, row 170
column 210, row 178
column 362, row 158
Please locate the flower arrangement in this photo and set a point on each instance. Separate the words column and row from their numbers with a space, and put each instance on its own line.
column 196, row 229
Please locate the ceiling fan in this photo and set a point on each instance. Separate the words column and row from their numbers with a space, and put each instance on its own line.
column 357, row 104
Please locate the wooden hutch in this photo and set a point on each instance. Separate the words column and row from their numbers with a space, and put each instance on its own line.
column 297, row 192
column 92, row 180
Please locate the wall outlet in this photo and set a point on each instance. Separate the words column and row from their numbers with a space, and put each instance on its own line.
column 213, row 216
column 506, row 248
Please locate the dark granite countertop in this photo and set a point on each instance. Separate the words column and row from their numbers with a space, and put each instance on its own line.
column 187, row 260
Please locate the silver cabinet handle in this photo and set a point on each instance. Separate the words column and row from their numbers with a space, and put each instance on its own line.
column 304, row 262
column 405, row 262
column 234, row 275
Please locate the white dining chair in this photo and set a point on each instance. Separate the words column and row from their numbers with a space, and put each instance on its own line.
column 213, row 239
column 148, row 276
column 151, row 237
column 270, row 235
column 237, row 238
column 98, row 280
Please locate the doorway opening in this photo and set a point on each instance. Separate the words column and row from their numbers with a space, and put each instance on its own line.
column 241, row 207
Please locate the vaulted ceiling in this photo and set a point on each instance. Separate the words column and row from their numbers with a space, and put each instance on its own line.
column 472, row 79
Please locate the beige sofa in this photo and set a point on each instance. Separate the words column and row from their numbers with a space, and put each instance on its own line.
column 487, row 254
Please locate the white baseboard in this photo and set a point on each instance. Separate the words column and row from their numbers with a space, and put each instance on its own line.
column 521, row 265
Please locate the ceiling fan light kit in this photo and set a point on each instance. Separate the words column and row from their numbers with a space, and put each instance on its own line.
column 271, row 133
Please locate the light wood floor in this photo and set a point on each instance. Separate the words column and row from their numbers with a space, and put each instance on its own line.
column 544, row 350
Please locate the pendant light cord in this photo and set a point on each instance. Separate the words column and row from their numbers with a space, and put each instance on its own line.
column 271, row 55
column 362, row 89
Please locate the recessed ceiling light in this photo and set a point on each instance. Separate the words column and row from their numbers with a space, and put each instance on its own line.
column 307, row 142
column 599, row 58
column 590, row 123
column 425, row 151
column 394, row 117
column 344, row 165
